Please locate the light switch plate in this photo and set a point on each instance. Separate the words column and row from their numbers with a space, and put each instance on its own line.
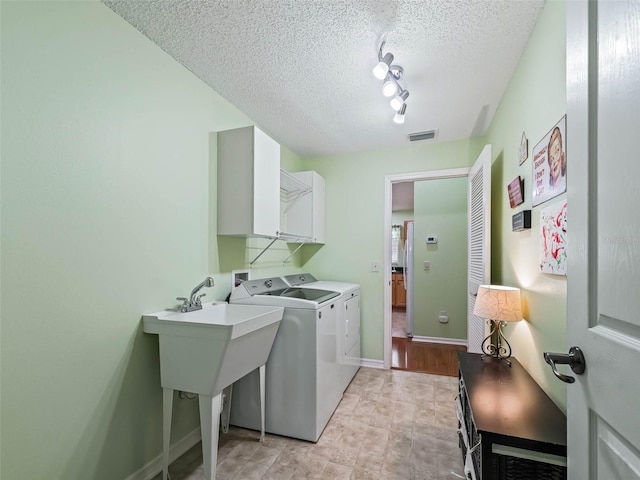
column 375, row 267
column 427, row 265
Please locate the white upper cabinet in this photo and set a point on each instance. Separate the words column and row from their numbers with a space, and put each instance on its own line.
column 248, row 183
column 303, row 207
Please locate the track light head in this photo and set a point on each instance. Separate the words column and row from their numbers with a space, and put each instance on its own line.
column 399, row 116
column 389, row 87
column 381, row 69
column 398, row 100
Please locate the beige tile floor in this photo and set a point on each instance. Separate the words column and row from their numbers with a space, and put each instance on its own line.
column 390, row 425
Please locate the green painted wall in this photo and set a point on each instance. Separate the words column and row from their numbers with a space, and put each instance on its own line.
column 355, row 218
column 534, row 101
column 108, row 212
column 440, row 209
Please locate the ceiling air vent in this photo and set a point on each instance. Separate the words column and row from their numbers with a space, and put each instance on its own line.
column 427, row 135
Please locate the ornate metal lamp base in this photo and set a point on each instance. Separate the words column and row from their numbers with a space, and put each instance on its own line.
column 497, row 350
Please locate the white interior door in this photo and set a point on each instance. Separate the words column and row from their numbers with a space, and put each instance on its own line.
column 603, row 105
column 479, row 255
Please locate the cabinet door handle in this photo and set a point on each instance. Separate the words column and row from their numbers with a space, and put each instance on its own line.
column 575, row 359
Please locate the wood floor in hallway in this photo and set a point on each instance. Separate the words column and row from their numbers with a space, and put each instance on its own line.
column 434, row 358
column 416, row 356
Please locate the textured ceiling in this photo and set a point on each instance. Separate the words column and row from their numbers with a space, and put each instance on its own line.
column 301, row 69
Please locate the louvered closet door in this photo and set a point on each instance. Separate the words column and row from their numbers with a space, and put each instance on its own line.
column 479, row 261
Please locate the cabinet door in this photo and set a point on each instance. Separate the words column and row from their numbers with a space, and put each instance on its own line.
column 266, row 185
column 318, row 209
column 248, row 183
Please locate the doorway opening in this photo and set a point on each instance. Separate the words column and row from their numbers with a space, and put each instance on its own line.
column 400, row 351
column 402, row 198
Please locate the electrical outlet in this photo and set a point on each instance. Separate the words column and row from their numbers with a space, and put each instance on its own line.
column 427, row 265
column 375, row 267
column 443, row 318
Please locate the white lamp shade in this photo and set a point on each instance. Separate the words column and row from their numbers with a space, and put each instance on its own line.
column 396, row 102
column 381, row 69
column 389, row 88
column 497, row 302
column 399, row 116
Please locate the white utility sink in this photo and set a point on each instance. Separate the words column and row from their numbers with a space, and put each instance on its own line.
column 205, row 351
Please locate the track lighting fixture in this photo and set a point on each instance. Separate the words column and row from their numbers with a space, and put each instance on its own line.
column 399, row 116
column 391, row 74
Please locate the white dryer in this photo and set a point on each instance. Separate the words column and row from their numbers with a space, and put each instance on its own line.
column 303, row 377
column 348, row 336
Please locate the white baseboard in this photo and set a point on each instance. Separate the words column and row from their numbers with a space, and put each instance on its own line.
column 176, row 450
column 367, row 362
column 447, row 341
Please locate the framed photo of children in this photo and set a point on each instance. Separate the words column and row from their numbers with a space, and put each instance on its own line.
column 550, row 164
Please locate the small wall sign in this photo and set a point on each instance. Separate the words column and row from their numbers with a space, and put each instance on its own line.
column 523, row 152
column 516, row 191
column 521, row 221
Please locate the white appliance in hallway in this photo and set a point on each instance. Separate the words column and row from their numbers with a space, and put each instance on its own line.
column 303, row 377
column 348, row 332
column 408, row 276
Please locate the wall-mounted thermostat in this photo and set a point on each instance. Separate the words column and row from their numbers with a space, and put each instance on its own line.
column 432, row 239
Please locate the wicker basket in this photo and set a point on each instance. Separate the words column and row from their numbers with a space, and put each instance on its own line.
column 505, row 467
column 474, row 438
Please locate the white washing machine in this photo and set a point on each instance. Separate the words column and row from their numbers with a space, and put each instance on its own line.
column 303, row 376
column 348, row 336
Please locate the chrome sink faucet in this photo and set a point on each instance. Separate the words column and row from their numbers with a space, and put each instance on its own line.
column 195, row 302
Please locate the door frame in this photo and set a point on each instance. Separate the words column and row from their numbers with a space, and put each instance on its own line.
column 389, row 180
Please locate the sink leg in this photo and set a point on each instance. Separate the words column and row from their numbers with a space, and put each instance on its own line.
column 167, row 409
column 262, row 399
column 209, row 425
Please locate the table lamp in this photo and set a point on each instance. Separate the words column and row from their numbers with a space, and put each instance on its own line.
column 498, row 304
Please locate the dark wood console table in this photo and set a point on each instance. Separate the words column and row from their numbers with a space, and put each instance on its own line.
column 508, row 423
